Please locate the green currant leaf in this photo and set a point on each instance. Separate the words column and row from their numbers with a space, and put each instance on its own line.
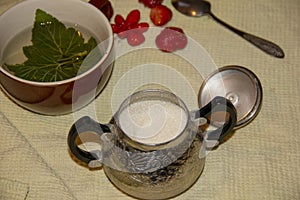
column 56, row 53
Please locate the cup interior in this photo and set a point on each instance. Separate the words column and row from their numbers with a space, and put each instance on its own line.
column 152, row 117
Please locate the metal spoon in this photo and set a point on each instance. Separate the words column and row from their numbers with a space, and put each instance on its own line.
column 197, row 8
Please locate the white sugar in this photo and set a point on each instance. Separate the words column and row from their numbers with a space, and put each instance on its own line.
column 152, row 121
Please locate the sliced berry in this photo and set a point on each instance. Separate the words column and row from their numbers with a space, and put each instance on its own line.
column 133, row 17
column 119, row 20
column 105, row 6
column 135, row 38
column 115, row 28
column 130, row 28
column 123, row 33
column 151, row 3
column 142, row 27
column 160, row 15
column 171, row 39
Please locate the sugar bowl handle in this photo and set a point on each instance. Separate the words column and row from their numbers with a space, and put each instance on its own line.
column 219, row 105
column 83, row 126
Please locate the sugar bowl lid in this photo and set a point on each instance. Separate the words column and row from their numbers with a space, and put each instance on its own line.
column 239, row 85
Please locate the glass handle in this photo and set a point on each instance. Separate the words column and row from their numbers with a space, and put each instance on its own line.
column 227, row 109
column 83, row 126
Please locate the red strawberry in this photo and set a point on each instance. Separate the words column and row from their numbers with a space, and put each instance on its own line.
column 105, row 6
column 133, row 17
column 143, row 27
column 130, row 28
column 115, row 28
column 119, row 20
column 151, row 3
column 160, row 15
column 171, row 39
column 135, row 38
column 119, row 27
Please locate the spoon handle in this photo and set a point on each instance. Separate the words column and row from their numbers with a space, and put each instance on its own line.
column 263, row 44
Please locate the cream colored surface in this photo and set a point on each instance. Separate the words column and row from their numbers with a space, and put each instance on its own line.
column 260, row 161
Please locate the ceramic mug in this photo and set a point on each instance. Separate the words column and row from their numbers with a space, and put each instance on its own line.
column 59, row 97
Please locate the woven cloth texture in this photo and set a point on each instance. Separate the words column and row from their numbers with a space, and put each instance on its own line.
column 260, row 161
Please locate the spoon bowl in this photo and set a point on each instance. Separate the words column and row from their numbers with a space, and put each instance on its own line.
column 188, row 8
column 196, row 8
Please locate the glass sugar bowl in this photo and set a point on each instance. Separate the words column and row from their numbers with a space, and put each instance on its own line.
column 153, row 148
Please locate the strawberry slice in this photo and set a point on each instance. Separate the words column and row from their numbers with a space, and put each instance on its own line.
column 160, row 15
column 151, row 3
column 119, row 20
column 133, row 17
column 105, row 6
column 171, row 39
column 135, row 38
column 130, row 28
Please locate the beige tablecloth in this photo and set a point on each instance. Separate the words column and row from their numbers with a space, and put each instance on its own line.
column 260, row 161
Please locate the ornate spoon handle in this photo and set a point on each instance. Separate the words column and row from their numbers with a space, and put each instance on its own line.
column 263, row 44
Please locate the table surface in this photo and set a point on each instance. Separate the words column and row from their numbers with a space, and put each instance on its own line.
column 260, row 161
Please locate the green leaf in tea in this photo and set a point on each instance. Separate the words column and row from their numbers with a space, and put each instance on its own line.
column 57, row 53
